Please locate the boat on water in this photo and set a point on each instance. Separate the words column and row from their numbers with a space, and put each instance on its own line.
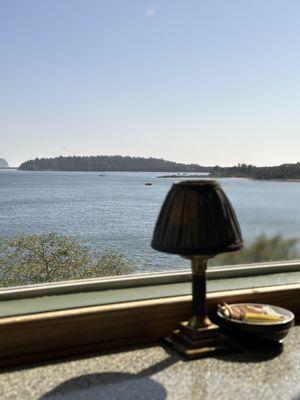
column 148, row 183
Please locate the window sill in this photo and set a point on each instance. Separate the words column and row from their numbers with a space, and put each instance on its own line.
column 52, row 334
column 152, row 372
column 11, row 306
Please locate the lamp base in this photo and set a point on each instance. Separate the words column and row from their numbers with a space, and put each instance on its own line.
column 200, row 342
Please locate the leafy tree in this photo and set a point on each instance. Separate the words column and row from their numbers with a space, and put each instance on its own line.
column 52, row 257
column 263, row 249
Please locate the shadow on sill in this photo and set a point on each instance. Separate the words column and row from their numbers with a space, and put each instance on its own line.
column 109, row 385
column 115, row 385
column 125, row 386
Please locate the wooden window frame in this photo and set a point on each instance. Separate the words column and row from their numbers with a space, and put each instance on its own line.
column 51, row 335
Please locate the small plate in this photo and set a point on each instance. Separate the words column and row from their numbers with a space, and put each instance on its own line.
column 270, row 331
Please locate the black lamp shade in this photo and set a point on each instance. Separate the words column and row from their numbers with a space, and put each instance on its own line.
column 197, row 219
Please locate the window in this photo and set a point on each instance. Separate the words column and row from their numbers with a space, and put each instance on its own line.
column 194, row 83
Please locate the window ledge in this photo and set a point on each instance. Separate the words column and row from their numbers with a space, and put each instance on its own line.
column 53, row 334
column 16, row 305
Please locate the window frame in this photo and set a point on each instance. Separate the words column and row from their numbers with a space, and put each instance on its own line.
column 71, row 332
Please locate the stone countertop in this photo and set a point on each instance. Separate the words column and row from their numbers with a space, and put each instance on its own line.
column 155, row 373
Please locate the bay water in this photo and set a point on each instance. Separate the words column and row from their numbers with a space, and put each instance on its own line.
column 119, row 211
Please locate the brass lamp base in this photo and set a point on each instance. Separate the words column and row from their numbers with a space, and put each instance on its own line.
column 199, row 337
column 198, row 343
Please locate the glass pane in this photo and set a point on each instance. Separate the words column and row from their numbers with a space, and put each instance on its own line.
column 203, row 84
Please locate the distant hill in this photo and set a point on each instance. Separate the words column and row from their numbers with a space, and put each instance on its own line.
column 131, row 164
column 3, row 163
column 279, row 172
column 109, row 163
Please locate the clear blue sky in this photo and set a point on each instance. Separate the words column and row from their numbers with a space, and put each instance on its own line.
column 212, row 82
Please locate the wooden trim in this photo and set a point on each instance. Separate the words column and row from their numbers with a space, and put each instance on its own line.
column 56, row 334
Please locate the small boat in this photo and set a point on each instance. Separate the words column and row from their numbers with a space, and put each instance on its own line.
column 148, row 183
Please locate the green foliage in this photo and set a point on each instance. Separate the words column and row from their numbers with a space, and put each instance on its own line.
column 109, row 163
column 111, row 263
column 284, row 171
column 121, row 163
column 52, row 257
column 263, row 249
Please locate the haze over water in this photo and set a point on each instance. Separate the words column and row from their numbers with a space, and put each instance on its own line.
column 119, row 211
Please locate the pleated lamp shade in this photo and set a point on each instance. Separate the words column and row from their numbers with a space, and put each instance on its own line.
column 197, row 219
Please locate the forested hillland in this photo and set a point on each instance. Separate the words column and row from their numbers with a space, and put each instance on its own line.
column 280, row 172
column 126, row 163
column 109, row 163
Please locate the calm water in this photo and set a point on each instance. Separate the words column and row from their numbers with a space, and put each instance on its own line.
column 119, row 211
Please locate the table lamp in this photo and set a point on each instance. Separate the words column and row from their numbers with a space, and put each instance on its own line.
column 197, row 221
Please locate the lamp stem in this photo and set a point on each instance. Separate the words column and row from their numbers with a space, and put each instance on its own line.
column 199, row 318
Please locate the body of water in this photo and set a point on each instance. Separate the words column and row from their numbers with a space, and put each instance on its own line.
column 118, row 211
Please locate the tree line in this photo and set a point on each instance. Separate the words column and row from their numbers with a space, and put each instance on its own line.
column 284, row 171
column 109, row 163
column 126, row 163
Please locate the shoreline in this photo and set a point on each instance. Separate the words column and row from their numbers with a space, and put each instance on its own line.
column 201, row 175
column 228, row 177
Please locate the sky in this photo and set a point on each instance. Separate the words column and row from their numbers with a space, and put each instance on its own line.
column 209, row 82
